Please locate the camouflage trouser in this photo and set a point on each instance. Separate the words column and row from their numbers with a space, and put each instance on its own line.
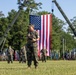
column 43, row 57
column 32, row 55
column 22, row 59
column 10, row 59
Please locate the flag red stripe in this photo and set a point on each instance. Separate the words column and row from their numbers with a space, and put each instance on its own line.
column 43, row 31
column 51, row 32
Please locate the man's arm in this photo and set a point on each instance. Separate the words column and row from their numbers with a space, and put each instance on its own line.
column 37, row 37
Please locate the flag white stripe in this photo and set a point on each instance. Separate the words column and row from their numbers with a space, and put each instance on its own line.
column 44, row 31
column 48, row 34
column 41, row 32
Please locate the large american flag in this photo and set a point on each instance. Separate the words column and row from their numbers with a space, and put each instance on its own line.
column 43, row 25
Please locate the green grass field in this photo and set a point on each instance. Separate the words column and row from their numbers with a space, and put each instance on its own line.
column 48, row 68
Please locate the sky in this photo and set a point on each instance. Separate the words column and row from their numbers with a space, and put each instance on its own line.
column 68, row 7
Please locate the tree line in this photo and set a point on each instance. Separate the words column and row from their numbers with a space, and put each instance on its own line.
column 17, row 35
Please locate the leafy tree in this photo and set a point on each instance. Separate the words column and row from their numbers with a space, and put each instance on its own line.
column 1, row 14
column 73, row 21
column 43, row 13
column 3, row 26
column 70, row 32
column 57, row 33
column 17, row 35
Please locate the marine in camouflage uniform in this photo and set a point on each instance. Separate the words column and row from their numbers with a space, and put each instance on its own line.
column 22, row 55
column 43, row 55
column 32, row 38
column 10, row 52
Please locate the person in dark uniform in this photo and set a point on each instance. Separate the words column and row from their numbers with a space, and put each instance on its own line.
column 43, row 54
column 10, row 52
column 32, row 38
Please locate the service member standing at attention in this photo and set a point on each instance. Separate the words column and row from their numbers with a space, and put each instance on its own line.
column 32, row 38
column 10, row 52
column 43, row 54
column 22, row 55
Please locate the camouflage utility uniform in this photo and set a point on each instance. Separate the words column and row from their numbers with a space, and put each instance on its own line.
column 10, row 52
column 22, row 55
column 43, row 55
column 32, row 48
